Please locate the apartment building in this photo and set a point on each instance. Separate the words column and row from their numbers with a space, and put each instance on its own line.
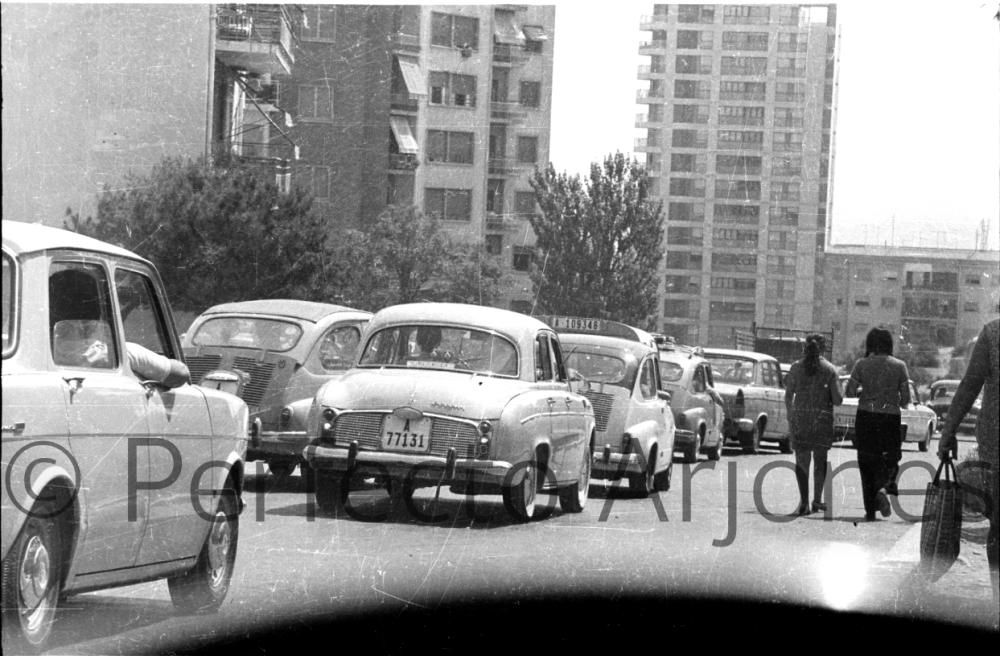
column 929, row 295
column 443, row 107
column 739, row 115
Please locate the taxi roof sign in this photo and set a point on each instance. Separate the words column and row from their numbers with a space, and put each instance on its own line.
column 590, row 326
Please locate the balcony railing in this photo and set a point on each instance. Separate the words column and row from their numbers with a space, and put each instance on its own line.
column 501, row 165
column 505, row 110
column 647, row 72
column 255, row 38
column 649, row 95
column 652, row 47
column 408, row 43
column 404, row 102
column 509, row 54
column 403, row 161
column 655, row 22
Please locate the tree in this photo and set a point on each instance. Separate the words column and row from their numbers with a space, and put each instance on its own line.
column 599, row 242
column 216, row 233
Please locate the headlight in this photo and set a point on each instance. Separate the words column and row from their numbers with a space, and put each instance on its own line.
column 327, row 420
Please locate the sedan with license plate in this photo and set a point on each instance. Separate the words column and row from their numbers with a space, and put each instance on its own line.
column 698, row 408
column 616, row 368
column 918, row 421
column 274, row 354
column 476, row 399
column 104, row 439
column 752, row 390
column 940, row 396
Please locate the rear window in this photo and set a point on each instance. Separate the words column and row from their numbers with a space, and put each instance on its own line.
column 670, row 372
column 441, row 347
column 249, row 333
column 738, row 371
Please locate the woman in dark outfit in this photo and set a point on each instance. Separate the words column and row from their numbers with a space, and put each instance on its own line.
column 884, row 385
column 811, row 391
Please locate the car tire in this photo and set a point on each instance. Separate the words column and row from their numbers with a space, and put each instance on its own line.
column 399, row 492
column 715, row 453
column 750, row 440
column 661, row 481
column 925, row 444
column 519, row 498
column 327, row 492
column 573, row 497
column 31, row 580
column 203, row 588
column 280, row 469
column 641, row 484
column 785, row 446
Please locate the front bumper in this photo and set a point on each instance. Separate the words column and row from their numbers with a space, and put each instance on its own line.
column 683, row 438
column 415, row 467
column 612, row 466
column 733, row 427
column 271, row 445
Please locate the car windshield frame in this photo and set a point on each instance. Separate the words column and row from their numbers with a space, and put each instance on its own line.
column 441, row 346
column 719, row 376
column 249, row 332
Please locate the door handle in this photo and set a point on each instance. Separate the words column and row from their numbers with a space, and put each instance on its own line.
column 551, row 401
column 75, row 384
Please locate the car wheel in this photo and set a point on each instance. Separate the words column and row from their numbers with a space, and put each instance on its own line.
column 399, row 492
column 327, row 492
column 641, row 484
column 281, row 469
column 750, row 440
column 31, row 577
column 716, row 451
column 785, row 446
column 519, row 498
column 661, row 481
column 927, row 440
column 204, row 587
column 573, row 497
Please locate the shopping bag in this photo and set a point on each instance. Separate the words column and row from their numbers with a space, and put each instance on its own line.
column 941, row 532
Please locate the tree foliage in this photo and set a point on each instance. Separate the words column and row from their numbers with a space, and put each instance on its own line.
column 599, row 242
column 216, row 233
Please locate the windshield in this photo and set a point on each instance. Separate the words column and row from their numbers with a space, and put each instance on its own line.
column 598, row 366
column 732, row 369
column 248, row 332
column 441, row 347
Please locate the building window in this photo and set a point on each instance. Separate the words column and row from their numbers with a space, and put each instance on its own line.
column 738, row 164
column 971, row 306
column 784, row 191
column 782, row 241
column 677, row 308
column 683, row 260
column 692, row 39
column 674, row 284
column 689, row 139
column 791, row 67
column 862, row 302
column 677, row 236
column 452, row 89
column 527, row 150
column 744, row 41
column 789, row 117
column 888, row 303
column 693, row 65
column 494, row 244
column 450, row 147
column 694, row 187
column 746, row 15
column 315, row 180
column 734, row 238
column 454, row 31
column 531, row 94
column 686, row 212
column 731, row 311
column 972, row 279
column 524, row 203
column 448, row 204
column 787, row 166
column 737, row 189
column 741, row 139
column 723, row 286
column 745, row 214
column 695, row 14
column 494, row 196
column 787, row 141
column 523, row 256
column 693, row 89
column 737, row 262
column 789, row 92
column 792, row 42
column 744, row 65
column 315, row 102
column 320, row 23
column 691, row 113
column 734, row 90
column 740, row 115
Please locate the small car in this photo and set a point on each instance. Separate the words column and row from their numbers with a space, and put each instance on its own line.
column 939, row 400
column 699, row 413
column 275, row 353
column 753, row 392
column 474, row 398
column 918, row 421
column 116, row 470
column 616, row 368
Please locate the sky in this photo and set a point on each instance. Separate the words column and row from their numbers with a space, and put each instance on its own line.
column 917, row 141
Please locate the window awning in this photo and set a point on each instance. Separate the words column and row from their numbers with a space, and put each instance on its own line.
column 404, row 136
column 506, row 31
column 535, row 33
column 416, row 85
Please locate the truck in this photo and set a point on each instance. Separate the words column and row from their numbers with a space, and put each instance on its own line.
column 783, row 344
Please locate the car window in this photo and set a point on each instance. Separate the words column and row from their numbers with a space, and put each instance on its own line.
column 647, row 380
column 735, row 370
column 9, row 299
column 441, row 347
column 248, row 332
column 707, row 372
column 558, row 362
column 81, row 317
column 670, row 372
column 769, row 375
column 543, row 360
column 142, row 316
column 336, row 350
column 698, row 381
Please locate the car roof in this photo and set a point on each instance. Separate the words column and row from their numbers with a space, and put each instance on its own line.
column 749, row 355
column 636, row 349
column 680, row 355
column 282, row 307
column 505, row 321
column 947, row 382
column 21, row 238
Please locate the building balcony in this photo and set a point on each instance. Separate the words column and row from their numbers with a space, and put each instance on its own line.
column 502, row 165
column 404, row 44
column 404, row 102
column 654, row 22
column 644, row 145
column 403, row 162
column 646, row 72
column 255, row 38
column 644, row 121
column 649, row 96
column 506, row 111
column 509, row 54
column 652, row 47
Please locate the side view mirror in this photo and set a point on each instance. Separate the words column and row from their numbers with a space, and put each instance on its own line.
column 663, row 395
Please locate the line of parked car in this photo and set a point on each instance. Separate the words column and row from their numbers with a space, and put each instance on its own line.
column 101, row 453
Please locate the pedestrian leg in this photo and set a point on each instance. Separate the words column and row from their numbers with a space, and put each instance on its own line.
column 802, row 459
column 820, row 465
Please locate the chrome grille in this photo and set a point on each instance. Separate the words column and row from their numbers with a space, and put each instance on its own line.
column 260, row 377
column 366, row 428
column 448, row 433
column 199, row 365
column 602, row 407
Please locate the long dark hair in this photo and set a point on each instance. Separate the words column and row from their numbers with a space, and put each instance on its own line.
column 878, row 342
column 812, row 351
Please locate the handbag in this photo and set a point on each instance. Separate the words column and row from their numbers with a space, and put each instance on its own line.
column 941, row 531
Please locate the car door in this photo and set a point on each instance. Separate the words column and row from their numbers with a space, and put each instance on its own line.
column 775, row 395
column 648, row 406
column 701, row 398
column 179, row 428
column 106, row 413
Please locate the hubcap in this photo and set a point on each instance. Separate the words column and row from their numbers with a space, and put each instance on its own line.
column 34, row 582
column 219, row 543
column 583, row 489
column 528, row 490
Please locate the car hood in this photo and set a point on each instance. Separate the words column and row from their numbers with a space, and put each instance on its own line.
column 457, row 394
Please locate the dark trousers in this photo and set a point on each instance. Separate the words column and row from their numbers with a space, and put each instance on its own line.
column 879, row 453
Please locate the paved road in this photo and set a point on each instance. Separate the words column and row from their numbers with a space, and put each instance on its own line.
column 722, row 530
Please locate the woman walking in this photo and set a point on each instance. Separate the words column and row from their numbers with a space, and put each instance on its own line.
column 882, row 384
column 811, row 391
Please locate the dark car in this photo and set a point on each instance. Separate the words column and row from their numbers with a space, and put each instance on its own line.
column 939, row 399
